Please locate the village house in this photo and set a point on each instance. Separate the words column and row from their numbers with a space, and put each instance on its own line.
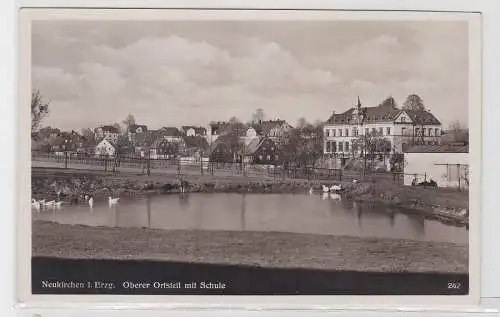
column 217, row 129
column 135, row 130
column 105, row 148
column 447, row 165
column 107, row 132
column 261, row 151
column 194, row 131
column 166, row 142
column 249, row 149
column 344, row 132
column 273, row 129
column 225, row 149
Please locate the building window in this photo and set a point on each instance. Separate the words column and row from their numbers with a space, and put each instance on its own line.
column 334, row 146
column 347, row 146
column 417, row 131
column 388, row 131
column 423, row 131
column 367, row 131
column 268, row 157
column 346, row 132
column 328, row 148
column 355, row 131
column 381, row 131
column 260, row 157
column 374, row 131
column 341, row 147
column 436, row 132
column 403, row 119
column 327, row 132
column 340, row 132
column 334, row 132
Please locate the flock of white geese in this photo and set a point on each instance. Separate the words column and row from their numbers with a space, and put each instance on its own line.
column 42, row 204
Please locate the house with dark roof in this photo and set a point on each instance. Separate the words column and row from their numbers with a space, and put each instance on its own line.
column 445, row 164
column 194, row 131
column 134, row 130
column 220, row 128
column 261, row 151
column 108, row 132
column 274, row 129
column 344, row 132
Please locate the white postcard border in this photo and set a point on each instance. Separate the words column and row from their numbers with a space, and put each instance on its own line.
column 23, row 160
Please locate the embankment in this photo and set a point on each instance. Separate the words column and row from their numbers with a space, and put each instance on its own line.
column 443, row 204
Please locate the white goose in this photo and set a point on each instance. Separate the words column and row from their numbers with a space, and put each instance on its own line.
column 113, row 201
column 91, row 202
column 36, row 204
column 310, row 191
column 50, row 203
column 58, row 204
column 354, row 181
column 325, row 189
column 336, row 188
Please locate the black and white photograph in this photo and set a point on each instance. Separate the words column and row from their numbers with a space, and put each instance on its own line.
column 262, row 155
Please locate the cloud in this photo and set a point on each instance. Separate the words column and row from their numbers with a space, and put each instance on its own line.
column 167, row 79
column 177, row 72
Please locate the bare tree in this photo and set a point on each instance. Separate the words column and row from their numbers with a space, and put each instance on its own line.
column 128, row 122
column 301, row 123
column 389, row 101
column 39, row 109
column 414, row 102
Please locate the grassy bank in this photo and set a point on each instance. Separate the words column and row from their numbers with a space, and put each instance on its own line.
column 443, row 204
column 261, row 249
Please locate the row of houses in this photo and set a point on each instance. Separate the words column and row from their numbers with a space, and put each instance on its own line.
column 255, row 142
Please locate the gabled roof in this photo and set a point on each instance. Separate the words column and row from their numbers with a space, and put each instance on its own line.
column 197, row 130
column 168, row 131
column 133, row 128
column 223, row 127
column 443, row 148
column 253, row 146
column 384, row 113
column 109, row 128
column 107, row 140
column 381, row 113
column 264, row 127
column 422, row 117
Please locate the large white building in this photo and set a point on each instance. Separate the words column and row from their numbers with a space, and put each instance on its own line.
column 447, row 165
column 345, row 132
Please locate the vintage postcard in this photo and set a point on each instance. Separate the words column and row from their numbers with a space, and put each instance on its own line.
column 249, row 152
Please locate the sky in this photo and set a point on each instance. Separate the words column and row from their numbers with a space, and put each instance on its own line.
column 173, row 73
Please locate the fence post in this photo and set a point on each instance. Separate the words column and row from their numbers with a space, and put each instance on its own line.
column 201, row 163
column 65, row 159
column 458, row 173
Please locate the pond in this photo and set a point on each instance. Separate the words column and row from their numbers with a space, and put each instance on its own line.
column 313, row 214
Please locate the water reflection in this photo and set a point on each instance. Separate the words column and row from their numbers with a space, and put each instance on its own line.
column 243, row 211
column 148, row 210
column 317, row 214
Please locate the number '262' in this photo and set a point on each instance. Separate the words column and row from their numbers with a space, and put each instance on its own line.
column 454, row 285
